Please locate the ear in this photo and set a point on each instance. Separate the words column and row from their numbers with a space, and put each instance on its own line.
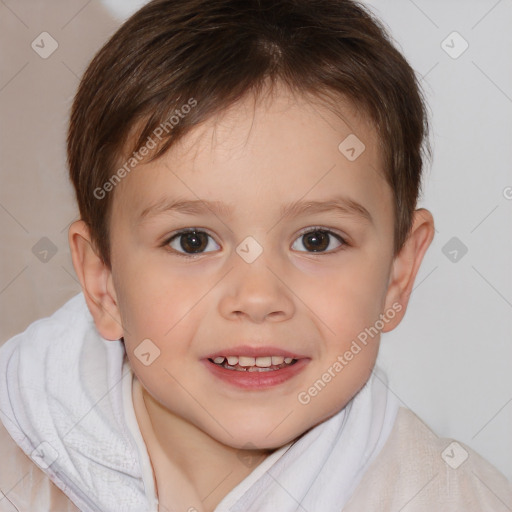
column 406, row 264
column 96, row 280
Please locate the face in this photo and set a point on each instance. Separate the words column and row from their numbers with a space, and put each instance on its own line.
column 290, row 255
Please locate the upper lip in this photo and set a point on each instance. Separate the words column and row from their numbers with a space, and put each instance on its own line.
column 259, row 351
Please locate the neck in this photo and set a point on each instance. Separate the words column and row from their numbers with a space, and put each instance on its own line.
column 192, row 470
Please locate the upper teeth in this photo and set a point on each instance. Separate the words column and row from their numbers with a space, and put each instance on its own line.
column 261, row 362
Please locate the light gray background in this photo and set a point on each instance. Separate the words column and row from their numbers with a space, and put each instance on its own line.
column 451, row 358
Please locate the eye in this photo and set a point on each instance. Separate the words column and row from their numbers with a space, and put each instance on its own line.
column 319, row 240
column 191, row 241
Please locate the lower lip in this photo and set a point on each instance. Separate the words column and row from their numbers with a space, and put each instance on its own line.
column 256, row 380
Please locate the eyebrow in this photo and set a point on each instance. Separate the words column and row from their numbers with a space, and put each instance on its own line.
column 340, row 204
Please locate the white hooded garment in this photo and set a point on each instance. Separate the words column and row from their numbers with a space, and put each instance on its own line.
column 71, row 441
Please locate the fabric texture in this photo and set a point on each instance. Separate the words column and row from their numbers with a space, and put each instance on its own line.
column 61, row 401
column 417, row 471
column 72, row 442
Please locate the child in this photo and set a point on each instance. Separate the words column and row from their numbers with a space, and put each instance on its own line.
column 247, row 174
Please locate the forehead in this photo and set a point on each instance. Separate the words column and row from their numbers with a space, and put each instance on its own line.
column 278, row 146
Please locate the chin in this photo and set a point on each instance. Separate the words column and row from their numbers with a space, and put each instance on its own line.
column 256, row 437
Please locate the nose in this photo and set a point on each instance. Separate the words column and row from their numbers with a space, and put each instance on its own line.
column 256, row 292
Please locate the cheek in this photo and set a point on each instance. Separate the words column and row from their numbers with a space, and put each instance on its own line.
column 348, row 300
column 152, row 297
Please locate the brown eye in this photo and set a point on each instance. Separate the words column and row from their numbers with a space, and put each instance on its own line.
column 319, row 240
column 190, row 242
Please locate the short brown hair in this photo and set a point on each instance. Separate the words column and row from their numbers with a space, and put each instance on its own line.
column 214, row 52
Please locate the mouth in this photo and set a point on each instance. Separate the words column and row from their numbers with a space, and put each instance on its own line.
column 253, row 364
column 255, row 368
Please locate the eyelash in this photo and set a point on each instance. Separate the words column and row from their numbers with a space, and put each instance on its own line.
column 312, row 229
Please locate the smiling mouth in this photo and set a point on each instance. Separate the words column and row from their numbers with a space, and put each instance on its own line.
column 253, row 364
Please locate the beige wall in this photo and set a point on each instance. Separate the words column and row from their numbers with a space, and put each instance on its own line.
column 36, row 198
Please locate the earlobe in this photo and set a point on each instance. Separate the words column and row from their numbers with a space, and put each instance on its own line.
column 407, row 263
column 96, row 281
